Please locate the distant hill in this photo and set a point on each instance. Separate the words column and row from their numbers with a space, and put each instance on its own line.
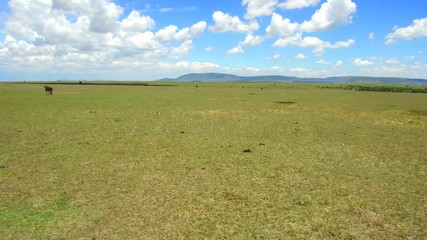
column 222, row 77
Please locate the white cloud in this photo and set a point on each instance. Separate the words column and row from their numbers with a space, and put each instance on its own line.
column 167, row 33
column 72, row 6
column 105, row 17
column 418, row 66
column 372, row 36
column 390, row 41
column 298, row 4
column 252, row 40
column 331, row 14
column 184, row 48
column 374, row 58
column 143, row 41
column 392, row 61
column 281, row 27
column 401, row 70
column 303, row 72
column 323, row 62
column 339, row 63
column 171, row 33
column 23, row 54
column 198, row 28
column 418, row 29
column 20, row 25
column 317, row 44
column 253, row 70
column 42, row 22
column 103, row 14
column 257, row 8
column 300, row 56
column 276, row 56
column 226, row 23
column 294, row 40
column 209, row 49
column 137, row 23
column 87, row 34
column 185, row 67
column 343, row 44
column 236, row 50
column 360, row 62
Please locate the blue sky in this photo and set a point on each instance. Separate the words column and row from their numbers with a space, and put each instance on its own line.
column 147, row 40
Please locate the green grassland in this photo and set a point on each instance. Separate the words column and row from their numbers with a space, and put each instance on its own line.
column 156, row 162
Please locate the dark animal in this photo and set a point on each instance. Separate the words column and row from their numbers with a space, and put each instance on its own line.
column 49, row 90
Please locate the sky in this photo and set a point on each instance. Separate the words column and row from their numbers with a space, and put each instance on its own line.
column 152, row 39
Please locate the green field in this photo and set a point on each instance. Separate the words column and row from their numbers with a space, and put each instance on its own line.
column 169, row 162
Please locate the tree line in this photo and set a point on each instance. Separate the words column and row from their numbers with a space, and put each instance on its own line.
column 380, row 88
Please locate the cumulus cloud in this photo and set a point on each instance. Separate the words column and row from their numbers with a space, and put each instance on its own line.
column 184, row 48
column 185, row 67
column 300, row 56
column 21, row 53
column 227, row 23
column 343, row 44
column 257, row 8
column 198, row 28
column 339, row 63
column 20, row 25
column 65, row 34
column 236, row 50
column 46, row 22
column 298, row 4
column 252, row 40
column 103, row 14
column 331, row 14
column 418, row 29
column 143, row 41
column 253, row 70
column 323, row 62
column 372, row 36
column 171, row 33
column 137, row 23
column 392, row 61
column 360, row 62
column 276, row 56
column 105, row 17
column 317, row 44
column 281, row 27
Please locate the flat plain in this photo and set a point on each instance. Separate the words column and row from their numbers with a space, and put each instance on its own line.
column 216, row 161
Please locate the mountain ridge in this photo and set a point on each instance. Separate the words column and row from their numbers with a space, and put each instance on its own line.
column 224, row 77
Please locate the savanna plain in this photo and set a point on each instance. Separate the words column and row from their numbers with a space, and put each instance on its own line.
column 216, row 161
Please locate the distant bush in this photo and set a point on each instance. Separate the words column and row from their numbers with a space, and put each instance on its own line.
column 380, row 88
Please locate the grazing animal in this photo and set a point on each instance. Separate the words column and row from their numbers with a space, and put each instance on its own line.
column 48, row 89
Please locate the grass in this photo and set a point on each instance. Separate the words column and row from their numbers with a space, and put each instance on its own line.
column 110, row 162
